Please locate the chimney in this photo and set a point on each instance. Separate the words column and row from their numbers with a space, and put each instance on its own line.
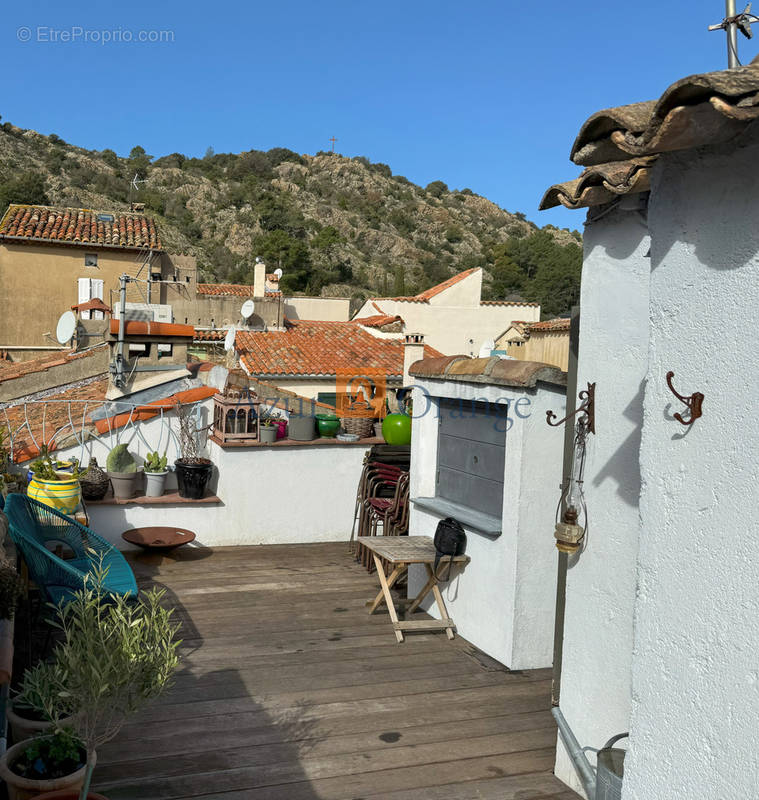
column 259, row 278
column 413, row 350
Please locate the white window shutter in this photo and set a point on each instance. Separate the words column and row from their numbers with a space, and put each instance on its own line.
column 97, row 291
column 84, row 295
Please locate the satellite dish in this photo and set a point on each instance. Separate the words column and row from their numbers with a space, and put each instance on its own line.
column 66, row 327
column 278, row 273
column 229, row 340
column 248, row 307
column 487, row 348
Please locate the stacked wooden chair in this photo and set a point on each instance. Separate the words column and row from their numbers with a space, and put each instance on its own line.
column 382, row 499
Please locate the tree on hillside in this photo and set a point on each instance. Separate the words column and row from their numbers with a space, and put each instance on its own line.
column 540, row 269
column 27, row 188
column 436, row 188
column 399, row 287
column 139, row 162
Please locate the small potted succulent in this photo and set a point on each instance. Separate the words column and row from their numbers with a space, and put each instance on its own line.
column 268, row 432
column 193, row 471
column 114, row 656
column 52, row 486
column 155, row 474
column 123, row 472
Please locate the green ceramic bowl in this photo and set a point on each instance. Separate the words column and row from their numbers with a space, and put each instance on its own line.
column 328, row 425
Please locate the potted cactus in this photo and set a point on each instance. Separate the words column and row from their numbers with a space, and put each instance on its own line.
column 155, row 474
column 268, row 433
column 123, row 472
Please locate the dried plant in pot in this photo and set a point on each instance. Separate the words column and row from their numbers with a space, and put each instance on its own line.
column 193, row 471
column 114, row 656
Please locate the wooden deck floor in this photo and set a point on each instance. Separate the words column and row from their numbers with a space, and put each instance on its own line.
column 288, row 689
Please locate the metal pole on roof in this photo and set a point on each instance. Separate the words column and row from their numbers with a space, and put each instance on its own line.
column 122, row 322
column 732, row 35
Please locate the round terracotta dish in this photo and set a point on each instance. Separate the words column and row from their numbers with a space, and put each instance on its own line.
column 158, row 538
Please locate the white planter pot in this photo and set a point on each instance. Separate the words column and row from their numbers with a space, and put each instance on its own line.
column 155, row 483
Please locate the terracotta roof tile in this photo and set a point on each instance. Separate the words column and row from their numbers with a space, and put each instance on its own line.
column 9, row 370
column 601, row 184
column 698, row 110
column 135, row 327
column 378, row 320
column 209, row 336
column 561, row 324
column 319, row 348
column 96, row 304
column 509, row 303
column 50, row 421
column 424, row 297
column 226, row 289
column 79, row 226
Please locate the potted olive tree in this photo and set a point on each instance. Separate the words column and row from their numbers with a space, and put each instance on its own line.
column 155, row 474
column 193, row 471
column 114, row 656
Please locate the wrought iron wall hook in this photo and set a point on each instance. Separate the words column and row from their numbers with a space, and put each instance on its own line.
column 588, row 408
column 693, row 402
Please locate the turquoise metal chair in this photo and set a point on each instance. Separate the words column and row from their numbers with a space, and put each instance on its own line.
column 35, row 528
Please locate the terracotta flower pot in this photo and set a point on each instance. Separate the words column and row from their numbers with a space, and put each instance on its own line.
column 23, row 728
column 25, row 789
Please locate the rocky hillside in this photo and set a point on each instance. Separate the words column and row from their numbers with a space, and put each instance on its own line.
column 335, row 225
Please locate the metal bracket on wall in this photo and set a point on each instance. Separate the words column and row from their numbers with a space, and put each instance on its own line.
column 693, row 402
column 588, row 408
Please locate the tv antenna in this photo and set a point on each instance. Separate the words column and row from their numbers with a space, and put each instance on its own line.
column 731, row 24
column 66, row 327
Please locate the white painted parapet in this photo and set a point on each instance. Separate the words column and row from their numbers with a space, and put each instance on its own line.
column 696, row 659
column 601, row 581
column 503, row 601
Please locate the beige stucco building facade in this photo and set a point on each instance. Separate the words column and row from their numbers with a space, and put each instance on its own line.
column 451, row 315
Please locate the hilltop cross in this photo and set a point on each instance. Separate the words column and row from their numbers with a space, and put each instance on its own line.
column 333, row 140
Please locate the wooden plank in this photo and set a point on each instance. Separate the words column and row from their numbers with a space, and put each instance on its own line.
column 289, row 689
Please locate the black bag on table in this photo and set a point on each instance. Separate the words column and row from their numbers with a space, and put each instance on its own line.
column 449, row 540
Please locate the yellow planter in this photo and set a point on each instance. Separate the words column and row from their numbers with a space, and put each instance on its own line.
column 62, row 495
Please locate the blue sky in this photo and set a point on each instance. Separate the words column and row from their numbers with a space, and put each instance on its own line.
column 485, row 95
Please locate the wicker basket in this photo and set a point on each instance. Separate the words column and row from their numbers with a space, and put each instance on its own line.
column 94, row 482
column 361, row 426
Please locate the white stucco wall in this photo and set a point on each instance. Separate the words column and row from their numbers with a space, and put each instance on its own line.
column 695, row 673
column 332, row 309
column 503, row 602
column 449, row 328
column 277, row 495
column 454, row 321
column 601, row 582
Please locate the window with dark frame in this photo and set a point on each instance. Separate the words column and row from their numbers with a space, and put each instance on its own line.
column 471, row 454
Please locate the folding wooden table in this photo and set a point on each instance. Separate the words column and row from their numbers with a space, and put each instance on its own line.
column 399, row 552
